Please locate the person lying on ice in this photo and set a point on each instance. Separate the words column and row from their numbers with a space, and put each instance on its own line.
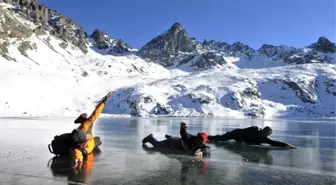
column 250, row 135
column 82, row 136
column 187, row 143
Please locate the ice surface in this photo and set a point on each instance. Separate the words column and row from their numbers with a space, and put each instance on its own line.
column 24, row 156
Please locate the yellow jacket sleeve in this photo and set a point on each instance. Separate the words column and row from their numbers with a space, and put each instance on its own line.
column 86, row 125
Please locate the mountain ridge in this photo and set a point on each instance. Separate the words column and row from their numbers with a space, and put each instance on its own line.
column 47, row 59
column 177, row 47
column 45, row 16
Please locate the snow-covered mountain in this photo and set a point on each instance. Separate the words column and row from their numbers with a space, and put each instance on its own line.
column 306, row 90
column 50, row 66
column 174, row 48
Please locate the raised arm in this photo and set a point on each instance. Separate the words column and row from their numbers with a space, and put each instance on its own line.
column 278, row 143
column 183, row 132
column 95, row 114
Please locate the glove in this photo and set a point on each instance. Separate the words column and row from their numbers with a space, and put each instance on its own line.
column 167, row 136
column 199, row 153
column 183, row 125
column 106, row 97
column 76, row 163
column 290, row 146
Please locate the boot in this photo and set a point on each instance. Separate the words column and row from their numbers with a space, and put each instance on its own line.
column 147, row 139
column 168, row 136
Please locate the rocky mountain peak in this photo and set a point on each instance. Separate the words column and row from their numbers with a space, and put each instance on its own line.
column 213, row 43
column 324, row 45
column 167, row 46
column 102, row 41
column 241, row 48
column 177, row 27
column 323, row 40
column 97, row 34
column 268, row 50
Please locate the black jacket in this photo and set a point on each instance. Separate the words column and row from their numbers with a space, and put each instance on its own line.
column 251, row 135
column 192, row 144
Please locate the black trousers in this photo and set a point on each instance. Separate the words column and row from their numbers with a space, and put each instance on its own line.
column 161, row 144
column 97, row 141
column 234, row 134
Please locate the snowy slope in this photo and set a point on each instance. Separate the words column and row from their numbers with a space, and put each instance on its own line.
column 43, row 74
column 292, row 91
column 53, row 80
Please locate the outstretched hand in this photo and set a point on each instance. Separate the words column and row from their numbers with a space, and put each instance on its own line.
column 183, row 125
column 76, row 164
column 199, row 153
column 106, row 97
column 290, row 146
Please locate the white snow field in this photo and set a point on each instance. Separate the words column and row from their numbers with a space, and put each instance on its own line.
column 52, row 81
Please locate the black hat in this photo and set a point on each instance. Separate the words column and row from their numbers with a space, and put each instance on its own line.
column 78, row 136
column 81, row 118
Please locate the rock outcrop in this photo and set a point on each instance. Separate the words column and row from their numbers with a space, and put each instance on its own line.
column 166, row 48
column 67, row 29
column 47, row 19
column 324, row 45
column 103, row 41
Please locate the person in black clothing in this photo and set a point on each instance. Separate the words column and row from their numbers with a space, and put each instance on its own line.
column 251, row 135
column 187, row 143
column 194, row 143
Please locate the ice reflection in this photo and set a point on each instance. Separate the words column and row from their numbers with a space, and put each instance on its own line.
column 24, row 154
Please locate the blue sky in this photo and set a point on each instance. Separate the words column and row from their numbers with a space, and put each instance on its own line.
column 253, row 22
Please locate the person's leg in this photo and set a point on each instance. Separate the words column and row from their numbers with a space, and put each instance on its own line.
column 224, row 137
column 156, row 144
column 97, row 142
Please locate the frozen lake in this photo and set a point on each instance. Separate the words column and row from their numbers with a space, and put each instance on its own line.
column 25, row 159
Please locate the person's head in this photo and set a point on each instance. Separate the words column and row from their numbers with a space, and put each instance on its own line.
column 201, row 137
column 81, row 119
column 79, row 137
column 265, row 132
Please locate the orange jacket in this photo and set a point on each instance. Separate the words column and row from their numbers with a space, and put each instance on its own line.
column 77, row 154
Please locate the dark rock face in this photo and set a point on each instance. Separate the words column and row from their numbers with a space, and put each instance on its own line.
column 200, row 98
column 268, row 50
column 240, row 47
column 101, row 39
column 120, row 47
column 103, row 42
column 208, row 60
column 214, row 45
column 301, row 90
column 291, row 55
column 160, row 109
column 165, row 48
column 251, row 93
column 324, row 45
column 67, row 29
column 330, row 83
column 51, row 20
